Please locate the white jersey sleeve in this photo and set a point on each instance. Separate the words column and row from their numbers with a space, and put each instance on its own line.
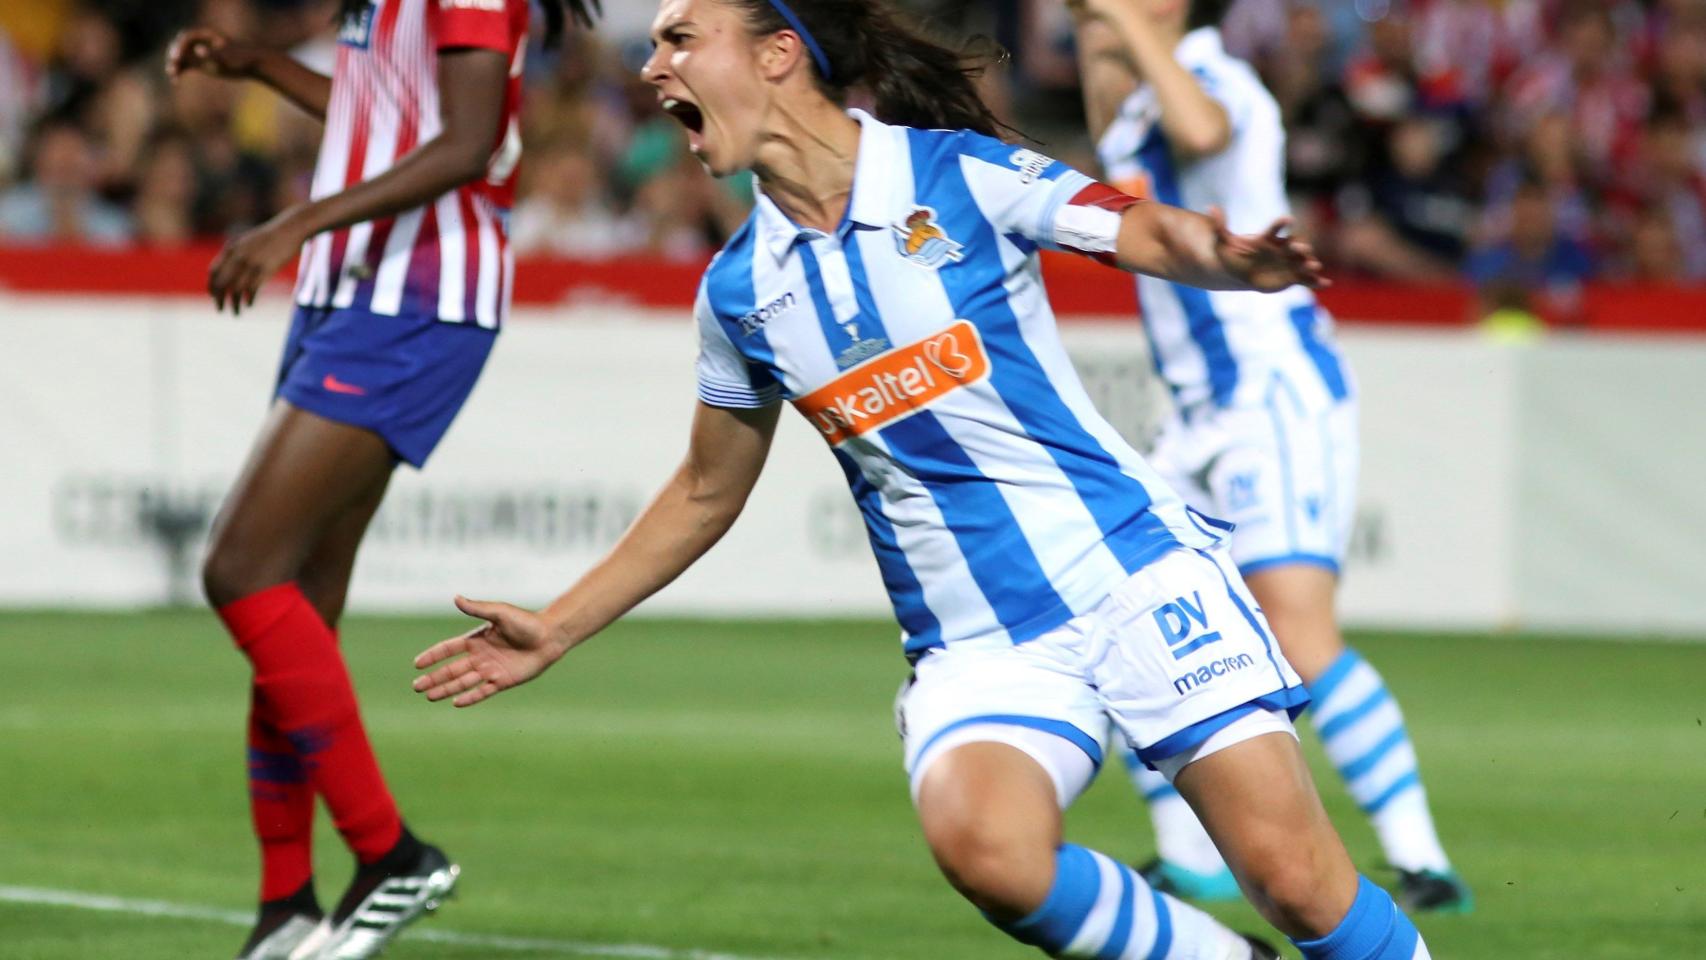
column 727, row 379
column 1030, row 195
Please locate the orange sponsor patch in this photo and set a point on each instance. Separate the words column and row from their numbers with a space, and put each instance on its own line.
column 1138, row 185
column 896, row 384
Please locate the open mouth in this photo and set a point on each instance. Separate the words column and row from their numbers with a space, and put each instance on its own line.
column 687, row 114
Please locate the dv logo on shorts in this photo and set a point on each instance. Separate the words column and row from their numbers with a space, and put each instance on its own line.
column 1179, row 621
column 921, row 240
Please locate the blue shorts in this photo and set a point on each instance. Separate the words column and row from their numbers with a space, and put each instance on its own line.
column 402, row 377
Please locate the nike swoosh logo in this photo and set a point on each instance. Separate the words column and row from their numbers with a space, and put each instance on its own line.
column 335, row 385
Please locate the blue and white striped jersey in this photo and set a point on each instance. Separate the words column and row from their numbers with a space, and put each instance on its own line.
column 1219, row 346
column 918, row 340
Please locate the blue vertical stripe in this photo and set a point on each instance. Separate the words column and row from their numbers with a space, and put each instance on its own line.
column 977, row 288
column 729, row 288
column 1163, row 928
column 1115, row 946
column 1206, row 329
column 923, row 631
column 999, row 557
column 1326, row 359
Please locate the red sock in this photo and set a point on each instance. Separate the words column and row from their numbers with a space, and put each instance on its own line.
column 281, row 806
column 303, row 690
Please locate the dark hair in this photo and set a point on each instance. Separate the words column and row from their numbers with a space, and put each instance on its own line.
column 582, row 10
column 1207, row 13
column 914, row 80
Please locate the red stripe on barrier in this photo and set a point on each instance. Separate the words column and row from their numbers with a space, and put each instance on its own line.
column 1079, row 288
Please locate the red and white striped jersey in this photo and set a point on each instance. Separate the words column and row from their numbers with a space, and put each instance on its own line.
column 449, row 259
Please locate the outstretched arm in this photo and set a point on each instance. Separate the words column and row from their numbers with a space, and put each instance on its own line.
column 1197, row 250
column 692, row 512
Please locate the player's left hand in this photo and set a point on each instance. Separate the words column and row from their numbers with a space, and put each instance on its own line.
column 1270, row 261
column 250, row 260
column 512, row 647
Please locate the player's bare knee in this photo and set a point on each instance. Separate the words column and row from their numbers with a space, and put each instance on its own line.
column 1292, row 889
column 998, row 869
column 229, row 573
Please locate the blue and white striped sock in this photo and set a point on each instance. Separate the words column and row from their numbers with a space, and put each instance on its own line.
column 1100, row 908
column 1364, row 734
column 1374, row 929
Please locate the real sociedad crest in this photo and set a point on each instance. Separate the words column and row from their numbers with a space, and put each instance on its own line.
column 920, row 239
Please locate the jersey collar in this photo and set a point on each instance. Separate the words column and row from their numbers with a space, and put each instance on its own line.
column 877, row 173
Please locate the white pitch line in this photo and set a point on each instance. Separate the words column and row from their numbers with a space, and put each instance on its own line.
column 41, row 896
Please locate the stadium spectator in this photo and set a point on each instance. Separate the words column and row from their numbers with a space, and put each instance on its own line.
column 59, row 202
column 567, row 211
column 1536, row 256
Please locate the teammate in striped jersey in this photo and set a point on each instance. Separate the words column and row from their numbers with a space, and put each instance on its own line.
column 1264, row 432
column 1045, row 580
column 404, row 280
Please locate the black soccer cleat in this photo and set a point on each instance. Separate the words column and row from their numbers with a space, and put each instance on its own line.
column 1429, row 891
column 282, row 925
column 386, row 896
column 1260, row 949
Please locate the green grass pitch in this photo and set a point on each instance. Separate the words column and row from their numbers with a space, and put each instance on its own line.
column 736, row 788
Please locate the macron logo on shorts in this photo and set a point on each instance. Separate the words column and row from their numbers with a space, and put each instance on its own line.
column 1211, row 670
column 896, row 384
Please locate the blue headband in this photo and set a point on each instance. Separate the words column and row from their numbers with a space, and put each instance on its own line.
column 806, row 35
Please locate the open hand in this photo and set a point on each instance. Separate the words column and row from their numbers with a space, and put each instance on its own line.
column 513, row 647
column 250, row 260
column 1268, row 262
column 211, row 52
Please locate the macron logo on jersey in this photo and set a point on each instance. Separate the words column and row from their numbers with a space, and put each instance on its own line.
column 896, row 384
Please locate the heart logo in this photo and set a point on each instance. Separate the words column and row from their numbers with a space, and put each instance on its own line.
column 944, row 352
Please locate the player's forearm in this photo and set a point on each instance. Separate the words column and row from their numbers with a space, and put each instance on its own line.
column 306, row 88
column 1173, row 244
column 682, row 522
column 1194, row 122
column 1105, row 71
column 434, row 169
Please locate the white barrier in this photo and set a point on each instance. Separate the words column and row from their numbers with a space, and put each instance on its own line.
column 1549, row 485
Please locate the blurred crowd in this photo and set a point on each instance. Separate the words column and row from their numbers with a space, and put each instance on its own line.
column 1531, row 145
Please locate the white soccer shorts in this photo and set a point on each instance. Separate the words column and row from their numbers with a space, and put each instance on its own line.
column 1283, row 472
column 1174, row 655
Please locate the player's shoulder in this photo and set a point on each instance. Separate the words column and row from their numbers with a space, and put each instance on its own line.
column 727, row 280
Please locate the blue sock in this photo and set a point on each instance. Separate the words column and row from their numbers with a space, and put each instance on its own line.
column 1099, row 907
column 1375, row 929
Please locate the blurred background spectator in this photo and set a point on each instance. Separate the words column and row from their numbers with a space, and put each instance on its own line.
column 1529, row 146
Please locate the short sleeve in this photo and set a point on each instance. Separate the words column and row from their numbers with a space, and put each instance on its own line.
column 1024, row 193
column 726, row 378
column 483, row 24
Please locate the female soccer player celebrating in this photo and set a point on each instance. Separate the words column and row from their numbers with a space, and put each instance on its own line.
column 1045, row 580
column 1264, row 433
column 404, row 280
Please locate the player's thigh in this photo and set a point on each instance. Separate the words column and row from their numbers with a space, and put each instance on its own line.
column 304, row 472
column 1299, row 602
column 1030, row 697
column 325, row 574
column 990, row 815
column 1257, row 800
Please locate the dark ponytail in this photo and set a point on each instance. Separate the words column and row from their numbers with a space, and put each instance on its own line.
column 914, row 80
column 584, row 11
